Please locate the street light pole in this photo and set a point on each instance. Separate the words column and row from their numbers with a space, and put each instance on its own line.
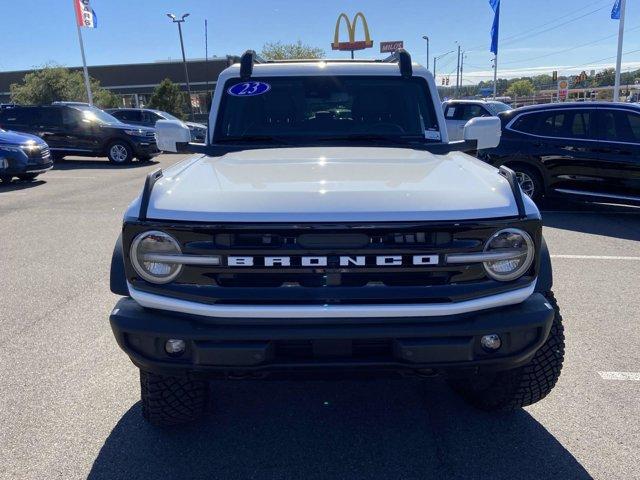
column 424, row 37
column 616, row 88
column 458, row 72
column 180, row 21
column 435, row 61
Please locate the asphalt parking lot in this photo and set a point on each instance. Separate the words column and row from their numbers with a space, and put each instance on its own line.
column 69, row 397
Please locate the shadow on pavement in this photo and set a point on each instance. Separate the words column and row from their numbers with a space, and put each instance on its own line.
column 16, row 185
column 97, row 164
column 384, row 429
column 593, row 218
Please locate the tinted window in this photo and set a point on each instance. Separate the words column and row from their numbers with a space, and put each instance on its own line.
column 557, row 123
column 128, row 115
column 18, row 116
column 472, row 111
column 329, row 106
column 580, row 126
column 527, row 123
column 620, row 126
column 71, row 117
column 50, row 117
column 552, row 124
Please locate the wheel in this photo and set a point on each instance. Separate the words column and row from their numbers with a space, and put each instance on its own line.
column 172, row 400
column 512, row 389
column 530, row 181
column 27, row 177
column 119, row 152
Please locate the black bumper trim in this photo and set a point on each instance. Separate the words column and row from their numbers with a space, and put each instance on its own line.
column 440, row 343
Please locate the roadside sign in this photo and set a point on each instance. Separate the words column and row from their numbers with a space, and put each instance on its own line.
column 390, row 47
column 563, row 89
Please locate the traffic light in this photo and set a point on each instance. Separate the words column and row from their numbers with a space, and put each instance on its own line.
column 447, row 80
column 554, row 75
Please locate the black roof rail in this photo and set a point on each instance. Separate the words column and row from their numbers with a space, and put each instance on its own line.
column 510, row 175
column 150, row 181
column 248, row 59
column 402, row 57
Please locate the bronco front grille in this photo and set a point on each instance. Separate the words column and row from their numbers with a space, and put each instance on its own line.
column 333, row 282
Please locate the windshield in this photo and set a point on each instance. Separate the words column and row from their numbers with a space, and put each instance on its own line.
column 497, row 107
column 322, row 108
column 94, row 114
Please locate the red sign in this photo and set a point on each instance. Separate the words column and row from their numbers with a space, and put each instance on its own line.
column 390, row 47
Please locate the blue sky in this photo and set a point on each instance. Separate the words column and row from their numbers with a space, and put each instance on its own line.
column 138, row 31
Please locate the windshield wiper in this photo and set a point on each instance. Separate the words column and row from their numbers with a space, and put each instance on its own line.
column 367, row 137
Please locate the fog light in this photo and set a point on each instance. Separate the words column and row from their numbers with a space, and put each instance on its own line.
column 174, row 346
column 491, row 342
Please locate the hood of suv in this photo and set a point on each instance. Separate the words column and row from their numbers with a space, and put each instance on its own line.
column 8, row 137
column 331, row 184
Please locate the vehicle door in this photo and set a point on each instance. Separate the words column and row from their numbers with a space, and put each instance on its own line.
column 49, row 127
column 563, row 142
column 81, row 134
column 618, row 169
column 458, row 117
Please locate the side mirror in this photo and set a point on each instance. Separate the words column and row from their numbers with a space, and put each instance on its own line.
column 171, row 133
column 486, row 130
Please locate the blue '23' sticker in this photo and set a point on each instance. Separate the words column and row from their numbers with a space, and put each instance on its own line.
column 249, row 89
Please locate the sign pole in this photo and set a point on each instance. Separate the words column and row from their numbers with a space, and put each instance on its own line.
column 495, row 75
column 616, row 90
column 87, row 84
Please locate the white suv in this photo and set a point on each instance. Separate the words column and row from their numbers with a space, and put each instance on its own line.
column 458, row 112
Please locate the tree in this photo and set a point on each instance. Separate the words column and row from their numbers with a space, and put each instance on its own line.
column 285, row 51
column 169, row 98
column 521, row 88
column 54, row 83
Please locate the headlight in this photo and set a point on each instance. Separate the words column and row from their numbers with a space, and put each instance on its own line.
column 143, row 249
column 135, row 133
column 514, row 251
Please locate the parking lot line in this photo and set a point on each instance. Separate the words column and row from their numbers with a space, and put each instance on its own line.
column 633, row 376
column 597, row 257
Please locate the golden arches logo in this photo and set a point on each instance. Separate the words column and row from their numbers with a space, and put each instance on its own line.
column 352, row 44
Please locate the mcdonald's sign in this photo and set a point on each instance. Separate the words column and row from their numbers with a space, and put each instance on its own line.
column 352, row 44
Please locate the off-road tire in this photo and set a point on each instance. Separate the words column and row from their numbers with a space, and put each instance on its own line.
column 120, row 152
column 172, row 400
column 512, row 389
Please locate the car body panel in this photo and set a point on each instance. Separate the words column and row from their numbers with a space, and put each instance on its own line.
column 331, row 184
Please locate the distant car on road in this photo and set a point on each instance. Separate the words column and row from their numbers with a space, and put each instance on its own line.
column 458, row 112
column 582, row 150
column 22, row 156
column 72, row 128
column 148, row 118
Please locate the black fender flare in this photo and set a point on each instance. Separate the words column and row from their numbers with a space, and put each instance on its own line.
column 118, row 278
column 545, row 273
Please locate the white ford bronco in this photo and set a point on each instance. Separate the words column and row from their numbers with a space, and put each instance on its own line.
column 329, row 226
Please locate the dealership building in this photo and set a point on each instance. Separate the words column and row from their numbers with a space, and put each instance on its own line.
column 135, row 83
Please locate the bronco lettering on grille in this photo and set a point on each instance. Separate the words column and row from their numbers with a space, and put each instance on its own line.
column 337, row 260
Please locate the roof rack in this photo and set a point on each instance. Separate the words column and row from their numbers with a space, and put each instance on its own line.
column 402, row 57
column 248, row 59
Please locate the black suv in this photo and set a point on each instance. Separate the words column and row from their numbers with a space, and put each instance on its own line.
column 77, row 129
column 583, row 150
column 148, row 117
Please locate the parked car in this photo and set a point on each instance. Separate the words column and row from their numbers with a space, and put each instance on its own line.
column 582, row 150
column 148, row 117
column 82, row 130
column 23, row 156
column 300, row 240
column 458, row 112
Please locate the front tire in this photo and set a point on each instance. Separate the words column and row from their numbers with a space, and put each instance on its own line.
column 172, row 400
column 526, row 385
column 119, row 152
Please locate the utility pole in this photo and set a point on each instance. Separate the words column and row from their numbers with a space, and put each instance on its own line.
column 461, row 68
column 616, row 90
column 184, row 58
column 424, row 37
column 458, row 73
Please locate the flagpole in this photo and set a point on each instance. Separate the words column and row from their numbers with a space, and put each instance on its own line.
column 87, row 84
column 616, row 90
column 495, row 75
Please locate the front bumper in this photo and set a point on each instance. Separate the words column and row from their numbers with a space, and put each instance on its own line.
column 253, row 348
column 145, row 148
column 16, row 168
